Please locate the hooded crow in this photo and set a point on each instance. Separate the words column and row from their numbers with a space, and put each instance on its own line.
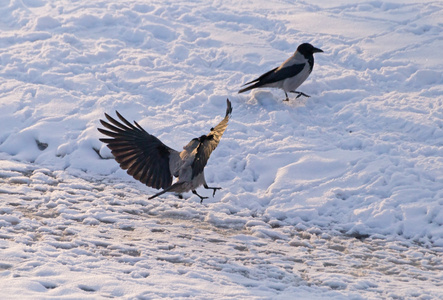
column 290, row 75
column 153, row 163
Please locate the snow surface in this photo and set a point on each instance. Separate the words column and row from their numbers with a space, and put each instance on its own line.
column 337, row 196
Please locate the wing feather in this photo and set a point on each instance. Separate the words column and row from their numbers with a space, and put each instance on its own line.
column 143, row 155
column 275, row 75
column 210, row 142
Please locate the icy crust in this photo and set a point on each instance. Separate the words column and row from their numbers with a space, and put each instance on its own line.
column 360, row 162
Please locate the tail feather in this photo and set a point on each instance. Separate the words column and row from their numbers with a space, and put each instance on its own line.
column 166, row 190
column 247, row 88
column 258, row 82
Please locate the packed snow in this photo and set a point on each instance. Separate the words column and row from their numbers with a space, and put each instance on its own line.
column 336, row 196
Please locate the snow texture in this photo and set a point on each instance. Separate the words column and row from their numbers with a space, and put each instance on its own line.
column 336, row 196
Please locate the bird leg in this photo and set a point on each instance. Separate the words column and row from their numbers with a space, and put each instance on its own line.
column 299, row 94
column 201, row 197
column 287, row 98
column 211, row 188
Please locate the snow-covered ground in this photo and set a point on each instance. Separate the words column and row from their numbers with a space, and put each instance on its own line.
column 336, row 196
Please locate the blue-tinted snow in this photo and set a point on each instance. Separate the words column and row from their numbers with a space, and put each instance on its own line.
column 335, row 196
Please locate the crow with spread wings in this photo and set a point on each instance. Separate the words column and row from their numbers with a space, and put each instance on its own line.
column 153, row 163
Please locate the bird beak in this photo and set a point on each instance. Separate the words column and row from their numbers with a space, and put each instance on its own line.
column 315, row 50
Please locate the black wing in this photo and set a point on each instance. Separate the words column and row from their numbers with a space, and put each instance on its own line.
column 209, row 142
column 143, row 155
column 283, row 73
column 274, row 75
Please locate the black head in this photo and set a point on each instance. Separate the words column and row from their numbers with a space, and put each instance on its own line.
column 307, row 49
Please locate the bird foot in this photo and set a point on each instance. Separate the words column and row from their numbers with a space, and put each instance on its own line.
column 299, row 94
column 212, row 188
column 201, row 197
column 287, row 98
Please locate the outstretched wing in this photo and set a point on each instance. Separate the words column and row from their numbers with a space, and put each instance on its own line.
column 209, row 142
column 143, row 155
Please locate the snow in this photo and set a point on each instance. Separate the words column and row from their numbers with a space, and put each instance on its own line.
column 336, row 196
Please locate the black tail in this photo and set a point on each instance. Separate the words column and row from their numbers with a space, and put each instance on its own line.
column 166, row 190
column 247, row 88
column 262, row 80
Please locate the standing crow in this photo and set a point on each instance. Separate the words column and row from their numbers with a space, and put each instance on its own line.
column 290, row 75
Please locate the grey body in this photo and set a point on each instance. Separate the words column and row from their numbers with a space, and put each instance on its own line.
column 290, row 74
column 153, row 163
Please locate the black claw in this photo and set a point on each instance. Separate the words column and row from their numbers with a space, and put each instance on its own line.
column 215, row 189
column 299, row 94
column 201, row 197
column 212, row 188
column 287, row 98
